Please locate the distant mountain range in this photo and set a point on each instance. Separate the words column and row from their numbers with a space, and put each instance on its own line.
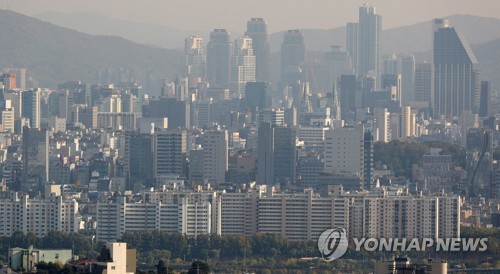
column 413, row 38
column 54, row 54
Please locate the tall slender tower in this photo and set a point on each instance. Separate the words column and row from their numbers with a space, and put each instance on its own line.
column 195, row 60
column 352, row 44
column 456, row 78
column 219, row 51
column 257, row 30
column 369, row 31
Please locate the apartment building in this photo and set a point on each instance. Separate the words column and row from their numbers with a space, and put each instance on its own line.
column 39, row 216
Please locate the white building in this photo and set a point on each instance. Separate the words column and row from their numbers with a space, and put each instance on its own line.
column 215, row 165
column 39, row 216
column 344, row 151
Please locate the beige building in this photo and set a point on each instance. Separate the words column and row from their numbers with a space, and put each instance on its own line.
column 121, row 261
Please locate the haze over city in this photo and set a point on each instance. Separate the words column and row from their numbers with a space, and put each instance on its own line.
column 157, row 137
column 280, row 14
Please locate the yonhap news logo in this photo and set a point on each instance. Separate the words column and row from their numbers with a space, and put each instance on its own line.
column 333, row 243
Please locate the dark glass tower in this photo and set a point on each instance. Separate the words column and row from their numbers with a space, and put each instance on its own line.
column 456, row 84
column 293, row 56
column 219, row 52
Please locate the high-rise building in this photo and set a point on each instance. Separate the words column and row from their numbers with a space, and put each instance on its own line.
column 352, row 45
column 382, row 125
column 169, row 152
column 338, row 63
column 345, row 152
column 456, row 83
column 257, row 30
column 219, row 52
column 243, row 66
column 407, row 79
column 31, row 107
column 195, row 60
column 257, row 96
column 276, row 159
column 215, row 149
column 347, row 95
column 485, row 105
column 293, row 56
column 423, row 82
column 139, row 159
column 369, row 40
column 35, row 159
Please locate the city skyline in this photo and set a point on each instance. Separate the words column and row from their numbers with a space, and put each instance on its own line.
column 289, row 17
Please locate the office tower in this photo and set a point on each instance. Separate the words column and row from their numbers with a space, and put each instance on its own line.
column 338, row 63
column 293, row 56
column 352, row 45
column 195, row 60
column 170, row 148
column 35, row 159
column 423, row 82
column 276, row 158
column 215, row 145
column 257, row 96
column 382, row 125
column 348, row 95
column 243, row 66
column 273, row 116
column 139, row 159
column 87, row 116
column 177, row 112
column 392, row 80
column 257, row 30
column 336, row 112
column 219, row 52
column 368, row 85
column 78, row 92
column 369, row 31
column 285, row 161
column 485, row 105
column 407, row 79
column 345, row 152
column 456, row 84
column 31, row 107
column 390, row 64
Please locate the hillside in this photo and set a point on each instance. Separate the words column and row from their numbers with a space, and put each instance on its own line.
column 488, row 55
column 98, row 24
column 54, row 54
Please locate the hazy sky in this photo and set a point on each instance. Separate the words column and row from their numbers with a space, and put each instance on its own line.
column 280, row 14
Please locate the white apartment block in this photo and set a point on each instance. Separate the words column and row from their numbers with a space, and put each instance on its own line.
column 39, row 216
column 191, row 219
column 391, row 213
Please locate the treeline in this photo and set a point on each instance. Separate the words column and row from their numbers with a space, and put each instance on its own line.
column 400, row 156
column 174, row 245
column 80, row 244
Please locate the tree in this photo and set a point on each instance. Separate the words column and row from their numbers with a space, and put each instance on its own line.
column 199, row 267
column 161, row 267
